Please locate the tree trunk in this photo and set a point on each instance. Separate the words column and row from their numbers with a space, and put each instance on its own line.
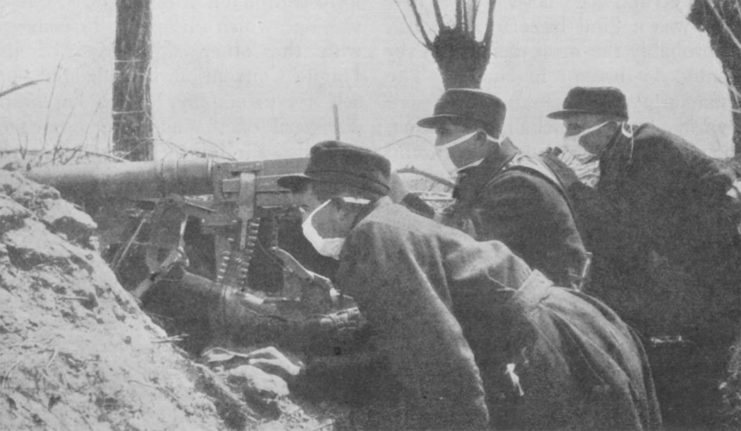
column 132, row 106
column 721, row 20
column 461, row 59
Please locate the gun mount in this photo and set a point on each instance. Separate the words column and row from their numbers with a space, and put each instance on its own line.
column 238, row 191
column 227, row 231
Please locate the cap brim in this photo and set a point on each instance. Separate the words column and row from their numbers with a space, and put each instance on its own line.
column 560, row 115
column 434, row 121
column 293, row 182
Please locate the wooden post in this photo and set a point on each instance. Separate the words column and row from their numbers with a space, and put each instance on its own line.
column 336, row 115
column 132, row 106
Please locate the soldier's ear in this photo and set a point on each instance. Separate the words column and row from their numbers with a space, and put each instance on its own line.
column 346, row 215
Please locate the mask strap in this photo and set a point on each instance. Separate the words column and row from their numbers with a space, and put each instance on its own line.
column 627, row 131
column 590, row 130
column 354, row 200
column 317, row 209
column 458, row 141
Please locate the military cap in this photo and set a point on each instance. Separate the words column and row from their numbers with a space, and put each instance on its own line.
column 593, row 100
column 343, row 163
column 468, row 104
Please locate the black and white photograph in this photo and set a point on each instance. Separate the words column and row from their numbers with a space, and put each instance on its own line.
column 353, row 215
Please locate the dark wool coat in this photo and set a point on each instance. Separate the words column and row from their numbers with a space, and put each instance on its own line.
column 672, row 195
column 524, row 210
column 579, row 366
column 657, row 192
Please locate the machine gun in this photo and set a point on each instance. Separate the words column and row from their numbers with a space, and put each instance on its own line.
column 210, row 248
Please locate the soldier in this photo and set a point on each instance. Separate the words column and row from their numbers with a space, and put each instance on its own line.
column 507, row 195
column 641, row 192
column 549, row 357
column 639, row 189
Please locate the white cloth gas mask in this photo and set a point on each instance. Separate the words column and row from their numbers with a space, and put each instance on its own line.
column 572, row 145
column 443, row 154
column 584, row 164
column 329, row 247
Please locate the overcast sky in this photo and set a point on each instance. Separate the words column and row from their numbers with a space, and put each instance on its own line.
column 259, row 78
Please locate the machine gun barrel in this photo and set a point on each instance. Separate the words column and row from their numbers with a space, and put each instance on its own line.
column 96, row 183
column 133, row 180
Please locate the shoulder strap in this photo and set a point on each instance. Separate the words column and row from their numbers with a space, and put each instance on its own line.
column 554, row 180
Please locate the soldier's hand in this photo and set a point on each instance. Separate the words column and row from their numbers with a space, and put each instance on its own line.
column 272, row 360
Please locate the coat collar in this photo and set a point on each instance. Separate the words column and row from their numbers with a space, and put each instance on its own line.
column 615, row 163
column 472, row 179
column 620, row 146
column 382, row 202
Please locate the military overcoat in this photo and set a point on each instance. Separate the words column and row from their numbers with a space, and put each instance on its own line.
column 550, row 357
column 519, row 205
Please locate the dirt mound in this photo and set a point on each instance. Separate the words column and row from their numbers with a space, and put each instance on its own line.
column 77, row 351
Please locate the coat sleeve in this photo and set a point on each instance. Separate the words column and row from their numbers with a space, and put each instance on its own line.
column 532, row 218
column 382, row 270
column 507, row 206
column 709, row 218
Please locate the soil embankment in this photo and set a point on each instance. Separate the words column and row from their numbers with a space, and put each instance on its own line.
column 79, row 354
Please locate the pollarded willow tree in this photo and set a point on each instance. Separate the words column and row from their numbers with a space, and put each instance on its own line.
column 460, row 51
column 721, row 20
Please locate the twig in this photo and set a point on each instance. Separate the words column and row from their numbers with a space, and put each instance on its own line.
column 392, row 143
column 24, row 85
column 73, row 153
column 48, row 105
column 58, row 145
column 6, row 376
column 433, row 177
column 418, row 18
column 438, row 14
column 53, row 356
column 214, row 144
column 406, row 22
column 723, row 23
column 489, row 25
column 90, row 123
column 474, row 14
column 40, row 153
column 460, row 20
column 74, row 298
column 162, row 389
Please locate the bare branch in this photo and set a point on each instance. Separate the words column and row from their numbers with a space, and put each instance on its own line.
column 459, row 18
column 433, row 177
column 48, row 105
column 724, row 24
column 24, row 85
column 474, row 14
column 489, row 25
column 418, row 18
column 218, row 147
column 438, row 14
column 409, row 27
column 58, row 145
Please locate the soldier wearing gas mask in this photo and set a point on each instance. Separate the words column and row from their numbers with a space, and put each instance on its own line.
column 473, row 336
column 639, row 189
column 501, row 193
column 644, row 196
